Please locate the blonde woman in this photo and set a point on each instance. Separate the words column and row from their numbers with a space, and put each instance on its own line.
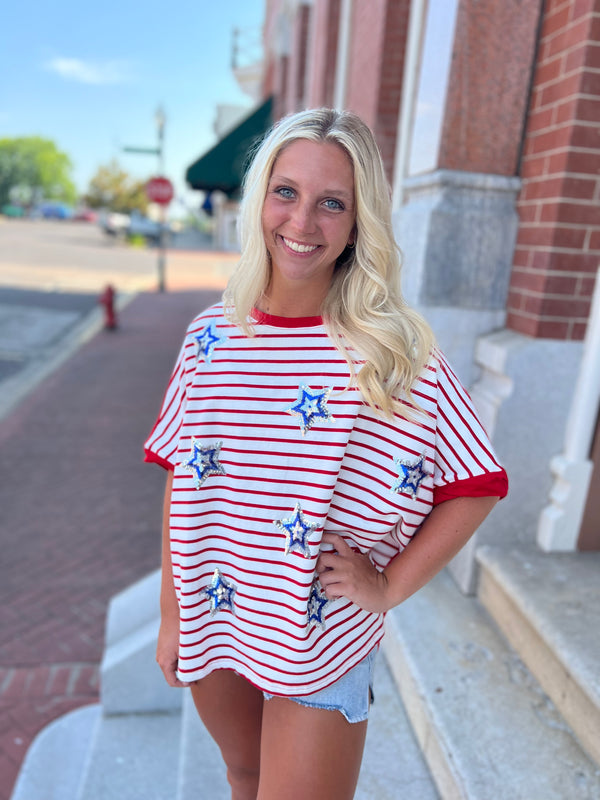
column 323, row 464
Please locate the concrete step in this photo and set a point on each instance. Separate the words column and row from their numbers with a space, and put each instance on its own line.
column 132, row 756
column 548, row 607
column 392, row 765
column 485, row 726
column 84, row 755
column 55, row 764
column 131, row 681
column 201, row 771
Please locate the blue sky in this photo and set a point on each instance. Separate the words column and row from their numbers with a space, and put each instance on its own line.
column 90, row 76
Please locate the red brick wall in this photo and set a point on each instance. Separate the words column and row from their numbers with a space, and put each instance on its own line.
column 488, row 86
column 376, row 63
column 282, row 72
column 296, row 70
column 390, row 81
column 558, row 245
column 324, row 53
column 366, row 54
column 268, row 81
column 276, row 65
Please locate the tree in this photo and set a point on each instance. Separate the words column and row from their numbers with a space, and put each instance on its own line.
column 112, row 187
column 33, row 168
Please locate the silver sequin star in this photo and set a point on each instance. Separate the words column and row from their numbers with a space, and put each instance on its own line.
column 412, row 475
column 297, row 529
column 208, row 339
column 317, row 603
column 310, row 407
column 220, row 592
column 204, row 461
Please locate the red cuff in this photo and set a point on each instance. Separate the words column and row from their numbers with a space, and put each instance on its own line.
column 492, row 484
column 152, row 458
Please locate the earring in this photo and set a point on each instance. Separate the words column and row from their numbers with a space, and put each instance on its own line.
column 351, row 245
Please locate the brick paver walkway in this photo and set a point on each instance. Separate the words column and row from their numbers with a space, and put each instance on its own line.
column 80, row 514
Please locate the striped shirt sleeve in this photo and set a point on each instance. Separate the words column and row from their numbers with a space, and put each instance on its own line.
column 161, row 446
column 465, row 462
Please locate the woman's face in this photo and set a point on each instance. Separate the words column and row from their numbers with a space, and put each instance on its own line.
column 309, row 213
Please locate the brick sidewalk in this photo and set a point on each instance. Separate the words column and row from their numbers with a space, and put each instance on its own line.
column 80, row 514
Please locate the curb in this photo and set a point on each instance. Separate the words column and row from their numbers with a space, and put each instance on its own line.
column 17, row 387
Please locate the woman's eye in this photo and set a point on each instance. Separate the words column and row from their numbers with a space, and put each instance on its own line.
column 285, row 192
column 334, row 205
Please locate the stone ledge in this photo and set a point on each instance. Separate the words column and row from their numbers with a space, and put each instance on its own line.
column 484, row 725
column 546, row 604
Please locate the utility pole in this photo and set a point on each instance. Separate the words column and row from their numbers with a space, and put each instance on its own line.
column 160, row 119
column 162, row 256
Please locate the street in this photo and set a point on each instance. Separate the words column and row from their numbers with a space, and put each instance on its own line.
column 79, row 257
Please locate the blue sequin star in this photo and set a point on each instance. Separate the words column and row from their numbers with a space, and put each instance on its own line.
column 311, row 406
column 220, row 592
column 412, row 475
column 317, row 602
column 208, row 339
column 297, row 529
column 204, row 461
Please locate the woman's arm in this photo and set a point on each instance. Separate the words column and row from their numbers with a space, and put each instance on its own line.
column 345, row 573
column 168, row 636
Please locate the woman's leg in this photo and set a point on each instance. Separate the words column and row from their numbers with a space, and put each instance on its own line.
column 231, row 710
column 308, row 753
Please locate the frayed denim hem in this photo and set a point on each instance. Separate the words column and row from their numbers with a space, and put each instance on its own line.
column 351, row 695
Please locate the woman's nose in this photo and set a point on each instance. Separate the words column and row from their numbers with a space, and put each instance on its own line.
column 304, row 218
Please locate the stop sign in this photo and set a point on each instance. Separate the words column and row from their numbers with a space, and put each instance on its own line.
column 159, row 190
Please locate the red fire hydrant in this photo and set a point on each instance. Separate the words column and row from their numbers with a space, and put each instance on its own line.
column 107, row 299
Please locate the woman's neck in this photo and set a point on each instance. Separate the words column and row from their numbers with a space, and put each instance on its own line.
column 301, row 301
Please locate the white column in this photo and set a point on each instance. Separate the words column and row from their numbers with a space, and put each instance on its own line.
column 343, row 52
column 560, row 521
column 410, row 86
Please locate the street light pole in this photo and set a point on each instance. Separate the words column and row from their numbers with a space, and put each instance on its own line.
column 160, row 127
column 161, row 120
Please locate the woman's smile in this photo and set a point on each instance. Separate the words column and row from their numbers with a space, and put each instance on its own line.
column 308, row 221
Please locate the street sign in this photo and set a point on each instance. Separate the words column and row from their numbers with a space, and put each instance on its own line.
column 159, row 190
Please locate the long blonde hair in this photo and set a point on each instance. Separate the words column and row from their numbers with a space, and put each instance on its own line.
column 364, row 308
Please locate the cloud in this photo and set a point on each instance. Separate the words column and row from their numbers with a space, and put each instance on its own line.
column 98, row 73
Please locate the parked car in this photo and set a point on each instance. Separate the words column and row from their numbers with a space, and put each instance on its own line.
column 53, row 210
column 142, row 226
column 114, row 224
column 85, row 215
column 10, row 210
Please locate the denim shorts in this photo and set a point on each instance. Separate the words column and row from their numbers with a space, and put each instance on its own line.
column 351, row 694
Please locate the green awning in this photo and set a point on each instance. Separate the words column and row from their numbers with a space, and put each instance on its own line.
column 223, row 166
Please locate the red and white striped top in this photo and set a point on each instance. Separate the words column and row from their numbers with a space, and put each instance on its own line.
column 270, row 448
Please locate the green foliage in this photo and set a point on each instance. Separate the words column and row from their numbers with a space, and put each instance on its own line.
column 32, row 169
column 112, row 187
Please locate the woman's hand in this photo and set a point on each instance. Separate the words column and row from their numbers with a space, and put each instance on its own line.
column 345, row 573
column 167, row 649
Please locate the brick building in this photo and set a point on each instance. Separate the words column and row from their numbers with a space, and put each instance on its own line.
column 488, row 119
column 487, row 116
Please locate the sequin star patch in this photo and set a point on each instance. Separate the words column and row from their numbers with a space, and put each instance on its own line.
column 204, row 461
column 220, row 592
column 208, row 339
column 310, row 407
column 297, row 529
column 412, row 474
column 317, row 603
